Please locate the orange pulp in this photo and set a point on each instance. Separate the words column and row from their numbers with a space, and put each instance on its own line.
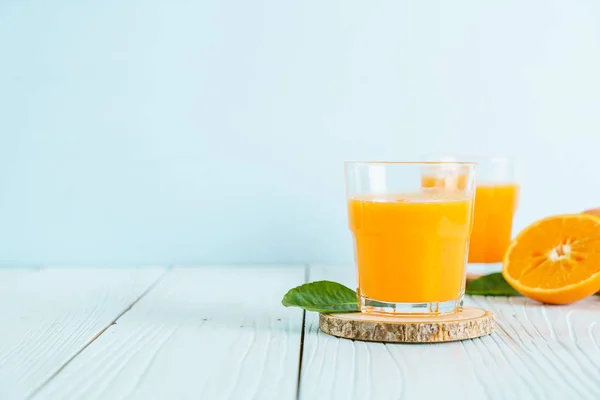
column 411, row 248
column 556, row 260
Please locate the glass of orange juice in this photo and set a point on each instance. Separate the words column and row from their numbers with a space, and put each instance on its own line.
column 410, row 242
column 496, row 200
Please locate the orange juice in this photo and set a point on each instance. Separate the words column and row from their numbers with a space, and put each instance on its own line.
column 458, row 182
column 495, row 206
column 411, row 248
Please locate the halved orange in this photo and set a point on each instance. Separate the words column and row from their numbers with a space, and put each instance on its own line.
column 556, row 260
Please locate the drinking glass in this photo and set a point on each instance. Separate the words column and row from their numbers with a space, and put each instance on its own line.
column 496, row 201
column 410, row 241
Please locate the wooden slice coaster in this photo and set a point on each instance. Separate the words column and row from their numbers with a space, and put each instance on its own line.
column 468, row 324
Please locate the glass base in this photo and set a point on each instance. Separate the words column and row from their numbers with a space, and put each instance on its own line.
column 372, row 306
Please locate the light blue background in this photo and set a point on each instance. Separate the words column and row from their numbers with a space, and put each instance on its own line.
column 205, row 131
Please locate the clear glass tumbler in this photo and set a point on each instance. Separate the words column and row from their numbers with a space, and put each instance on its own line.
column 410, row 241
column 496, row 201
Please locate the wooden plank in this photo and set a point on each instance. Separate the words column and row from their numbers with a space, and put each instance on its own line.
column 561, row 343
column 540, row 353
column 202, row 333
column 48, row 315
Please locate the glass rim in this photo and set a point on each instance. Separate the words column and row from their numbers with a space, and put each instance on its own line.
column 466, row 163
column 474, row 158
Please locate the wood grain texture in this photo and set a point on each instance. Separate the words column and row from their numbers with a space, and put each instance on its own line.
column 540, row 352
column 559, row 342
column 202, row 333
column 470, row 323
column 48, row 315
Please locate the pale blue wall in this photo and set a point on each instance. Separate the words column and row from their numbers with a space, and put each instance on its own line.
column 214, row 131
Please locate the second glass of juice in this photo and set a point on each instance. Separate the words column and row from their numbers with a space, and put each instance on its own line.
column 410, row 242
column 496, row 200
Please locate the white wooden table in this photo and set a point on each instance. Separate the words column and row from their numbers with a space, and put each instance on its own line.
column 221, row 333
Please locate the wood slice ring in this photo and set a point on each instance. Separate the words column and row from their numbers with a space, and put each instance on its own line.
column 470, row 323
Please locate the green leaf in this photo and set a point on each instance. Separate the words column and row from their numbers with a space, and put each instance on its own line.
column 491, row 285
column 322, row 296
